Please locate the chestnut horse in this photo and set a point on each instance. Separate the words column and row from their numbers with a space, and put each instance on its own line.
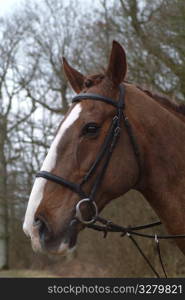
column 159, row 130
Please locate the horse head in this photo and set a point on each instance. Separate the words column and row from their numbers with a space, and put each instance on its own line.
column 85, row 134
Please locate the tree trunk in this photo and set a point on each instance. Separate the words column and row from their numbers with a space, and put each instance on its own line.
column 4, row 238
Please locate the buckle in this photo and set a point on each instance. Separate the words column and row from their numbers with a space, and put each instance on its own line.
column 115, row 119
column 79, row 214
column 117, row 131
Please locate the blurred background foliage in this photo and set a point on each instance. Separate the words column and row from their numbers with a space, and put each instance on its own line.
column 34, row 95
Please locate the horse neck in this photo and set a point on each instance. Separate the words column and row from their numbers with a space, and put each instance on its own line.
column 161, row 137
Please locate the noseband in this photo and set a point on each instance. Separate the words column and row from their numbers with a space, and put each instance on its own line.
column 105, row 154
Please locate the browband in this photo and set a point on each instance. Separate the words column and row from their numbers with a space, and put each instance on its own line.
column 86, row 96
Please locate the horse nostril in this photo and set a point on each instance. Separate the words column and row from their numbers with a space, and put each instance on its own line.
column 37, row 222
column 43, row 228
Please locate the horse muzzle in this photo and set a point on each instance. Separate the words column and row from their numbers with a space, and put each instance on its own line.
column 44, row 240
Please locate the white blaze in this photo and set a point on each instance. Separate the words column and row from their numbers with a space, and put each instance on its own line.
column 49, row 163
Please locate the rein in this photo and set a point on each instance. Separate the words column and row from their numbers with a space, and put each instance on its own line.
column 105, row 154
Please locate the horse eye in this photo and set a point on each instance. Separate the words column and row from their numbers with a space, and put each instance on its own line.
column 88, row 83
column 90, row 129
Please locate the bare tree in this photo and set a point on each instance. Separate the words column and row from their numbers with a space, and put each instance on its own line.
column 11, row 117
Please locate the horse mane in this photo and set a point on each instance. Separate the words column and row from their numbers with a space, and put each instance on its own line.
column 165, row 101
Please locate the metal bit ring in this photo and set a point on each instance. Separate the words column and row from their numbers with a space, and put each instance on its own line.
column 79, row 214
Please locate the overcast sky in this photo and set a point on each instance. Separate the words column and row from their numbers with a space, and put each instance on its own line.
column 7, row 6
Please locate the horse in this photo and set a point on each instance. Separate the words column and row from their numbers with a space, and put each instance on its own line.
column 115, row 137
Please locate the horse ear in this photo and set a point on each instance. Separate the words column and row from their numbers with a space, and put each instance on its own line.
column 75, row 78
column 117, row 67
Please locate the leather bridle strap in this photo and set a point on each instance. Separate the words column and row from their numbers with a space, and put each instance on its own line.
column 59, row 180
column 100, row 155
column 114, row 130
column 96, row 97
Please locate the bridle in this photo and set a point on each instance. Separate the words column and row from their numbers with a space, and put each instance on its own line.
column 104, row 156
